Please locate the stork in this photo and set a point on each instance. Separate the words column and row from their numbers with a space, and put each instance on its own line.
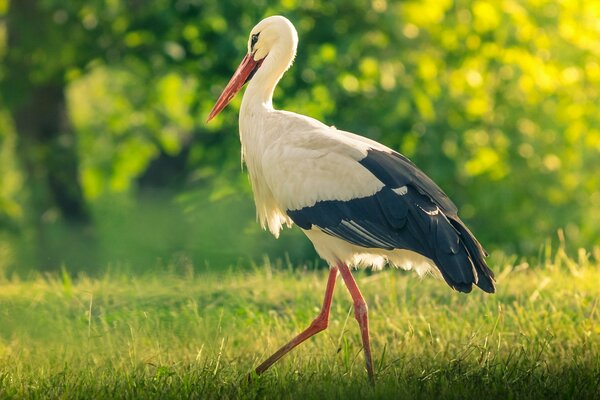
column 359, row 202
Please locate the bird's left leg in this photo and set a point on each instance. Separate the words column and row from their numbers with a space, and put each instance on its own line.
column 319, row 324
column 361, row 313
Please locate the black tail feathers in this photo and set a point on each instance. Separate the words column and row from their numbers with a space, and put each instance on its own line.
column 485, row 276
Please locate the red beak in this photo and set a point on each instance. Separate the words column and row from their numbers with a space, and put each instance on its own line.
column 242, row 75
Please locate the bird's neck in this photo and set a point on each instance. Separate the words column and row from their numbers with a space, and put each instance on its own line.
column 257, row 103
column 259, row 93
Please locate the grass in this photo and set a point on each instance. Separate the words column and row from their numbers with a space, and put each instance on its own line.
column 197, row 336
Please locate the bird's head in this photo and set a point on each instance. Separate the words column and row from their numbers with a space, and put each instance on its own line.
column 274, row 39
column 271, row 33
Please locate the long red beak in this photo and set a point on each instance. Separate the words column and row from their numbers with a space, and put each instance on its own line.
column 243, row 73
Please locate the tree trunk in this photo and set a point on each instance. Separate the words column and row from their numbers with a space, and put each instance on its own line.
column 47, row 151
column 58, row 219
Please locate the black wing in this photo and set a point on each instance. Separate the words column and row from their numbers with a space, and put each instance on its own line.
column 410, row 212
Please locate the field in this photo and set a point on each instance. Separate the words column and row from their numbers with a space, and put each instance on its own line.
column 191, row 334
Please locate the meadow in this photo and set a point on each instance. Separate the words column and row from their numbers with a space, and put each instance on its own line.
column 182, row 333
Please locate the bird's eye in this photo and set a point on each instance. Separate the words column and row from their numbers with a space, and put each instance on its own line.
column 253, row 40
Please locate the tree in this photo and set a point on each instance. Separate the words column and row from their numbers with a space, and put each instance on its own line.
column 49, row 44
column 497, row 101
column 35, row 96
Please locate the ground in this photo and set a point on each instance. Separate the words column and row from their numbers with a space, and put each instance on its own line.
column 199, row 334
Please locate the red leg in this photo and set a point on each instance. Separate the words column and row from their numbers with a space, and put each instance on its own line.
column 361, row 314
column 319, row 324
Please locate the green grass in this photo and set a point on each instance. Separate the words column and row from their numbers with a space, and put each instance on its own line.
column 198, row 336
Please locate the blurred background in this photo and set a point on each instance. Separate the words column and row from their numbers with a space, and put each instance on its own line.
column 106, row 161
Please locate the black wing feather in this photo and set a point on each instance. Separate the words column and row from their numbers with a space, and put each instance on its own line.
column 421, row 219
column 395, row 170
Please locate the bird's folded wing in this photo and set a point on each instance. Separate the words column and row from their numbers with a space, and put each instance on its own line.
column 303, row 171
column 376, row 198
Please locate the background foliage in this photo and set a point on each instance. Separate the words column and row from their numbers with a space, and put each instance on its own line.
column 105, row 156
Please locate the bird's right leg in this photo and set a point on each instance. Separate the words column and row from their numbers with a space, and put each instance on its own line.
column 319, row 324
column 361, row 313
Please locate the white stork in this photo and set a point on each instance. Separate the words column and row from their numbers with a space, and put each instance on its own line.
column 358, row 201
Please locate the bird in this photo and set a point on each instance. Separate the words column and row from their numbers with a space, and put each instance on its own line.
column 358, row 201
